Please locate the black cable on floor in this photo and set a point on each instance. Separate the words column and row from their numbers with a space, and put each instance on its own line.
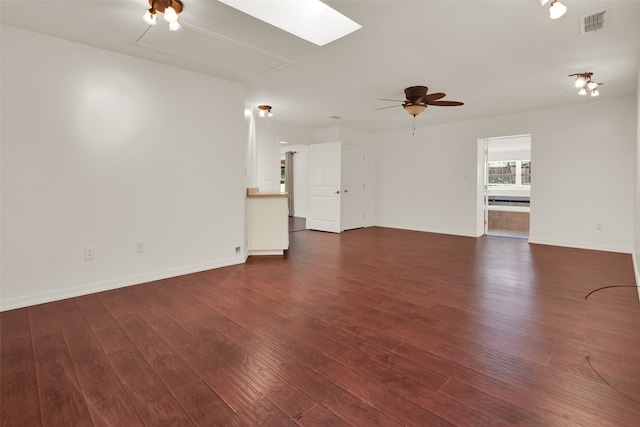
column 607, row 382
column 607, row 287
column 589, row 359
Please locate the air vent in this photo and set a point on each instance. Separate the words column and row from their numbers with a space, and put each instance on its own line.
column 594, row 22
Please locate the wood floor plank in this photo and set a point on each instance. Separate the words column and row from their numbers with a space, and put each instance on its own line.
column 107, row 399
column 150, row 396
column 511, row 414
column 205, row 406
column 342, row 403
column 164, row 360
column 319, row 416
column 62, row 401
column 235, row 390
column 413, row 380
column 264, row 413
column 252, row 370
column 304, row 333
column 19, row 397
column 371, row 327
column 354, row 382
column 324, row 329
column 411, row 414
column 510, row 381
column 315, row 314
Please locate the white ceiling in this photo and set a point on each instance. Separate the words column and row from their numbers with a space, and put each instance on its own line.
column 498, row 57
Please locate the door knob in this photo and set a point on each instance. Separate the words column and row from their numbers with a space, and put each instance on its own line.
column 346, row 191
column 337, row 191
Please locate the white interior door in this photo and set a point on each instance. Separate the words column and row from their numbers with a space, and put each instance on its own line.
column 324, row 187
column 353, row 189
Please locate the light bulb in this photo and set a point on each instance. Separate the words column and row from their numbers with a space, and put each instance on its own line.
column 269, row 113
column 174, row 26
column 150, row 17
column 592, row 85
column 170, row 15
column 580, row 82
column 543, row 2
column 414, row 109
column 557, row 9
column 595, row 92
column 582, row 91
column 261, row 113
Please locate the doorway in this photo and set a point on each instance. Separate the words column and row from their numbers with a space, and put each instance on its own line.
column 507, row 186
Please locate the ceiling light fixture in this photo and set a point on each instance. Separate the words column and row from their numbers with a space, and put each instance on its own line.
column 265, row 111
column 585, row 84
column 414, row 109
column 556, row 9
column 170, row 9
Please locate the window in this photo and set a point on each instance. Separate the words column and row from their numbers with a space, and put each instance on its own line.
column 502, row 173
column 510, row 173
column 526, row 172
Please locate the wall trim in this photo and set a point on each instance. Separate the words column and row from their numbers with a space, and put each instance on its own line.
column 636, row 273
column 431, row 230
column 122, row 282
column 578, row 245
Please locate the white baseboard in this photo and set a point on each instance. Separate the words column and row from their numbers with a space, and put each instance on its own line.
column 636, row 273
column 266, row 252
column 107, row 285
column 431, row 230
column 580, row 245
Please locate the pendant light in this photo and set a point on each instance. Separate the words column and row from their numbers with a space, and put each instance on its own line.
column 170, row 9
column 585, row 84
column 556, row 9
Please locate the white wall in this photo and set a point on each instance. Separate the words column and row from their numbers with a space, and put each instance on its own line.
column 517, row 147
column 584, row 168
column 104, row 150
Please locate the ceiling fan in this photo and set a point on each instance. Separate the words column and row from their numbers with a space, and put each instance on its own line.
column 418, row 99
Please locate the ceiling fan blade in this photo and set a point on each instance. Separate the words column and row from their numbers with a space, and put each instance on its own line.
column 446, row 103
column 394, row 100
column 384, row 108
column 433, row 97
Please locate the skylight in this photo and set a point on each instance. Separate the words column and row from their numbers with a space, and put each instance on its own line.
column 310, row 20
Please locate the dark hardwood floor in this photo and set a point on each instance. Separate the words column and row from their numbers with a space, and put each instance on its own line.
column 297, row 223
column 373, row 327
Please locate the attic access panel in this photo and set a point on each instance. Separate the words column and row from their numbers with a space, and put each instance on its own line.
column 200, row 45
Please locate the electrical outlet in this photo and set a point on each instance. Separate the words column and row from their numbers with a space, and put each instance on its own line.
column 598, row 226
column 88, row 253
column 140, row 246
column 238, row 248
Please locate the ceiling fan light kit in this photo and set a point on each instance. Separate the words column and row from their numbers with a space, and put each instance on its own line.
column 556, row 9
column 414, row 110
column 417, row 100
column 265, row 110
column 170, row 8
column 585, row 84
